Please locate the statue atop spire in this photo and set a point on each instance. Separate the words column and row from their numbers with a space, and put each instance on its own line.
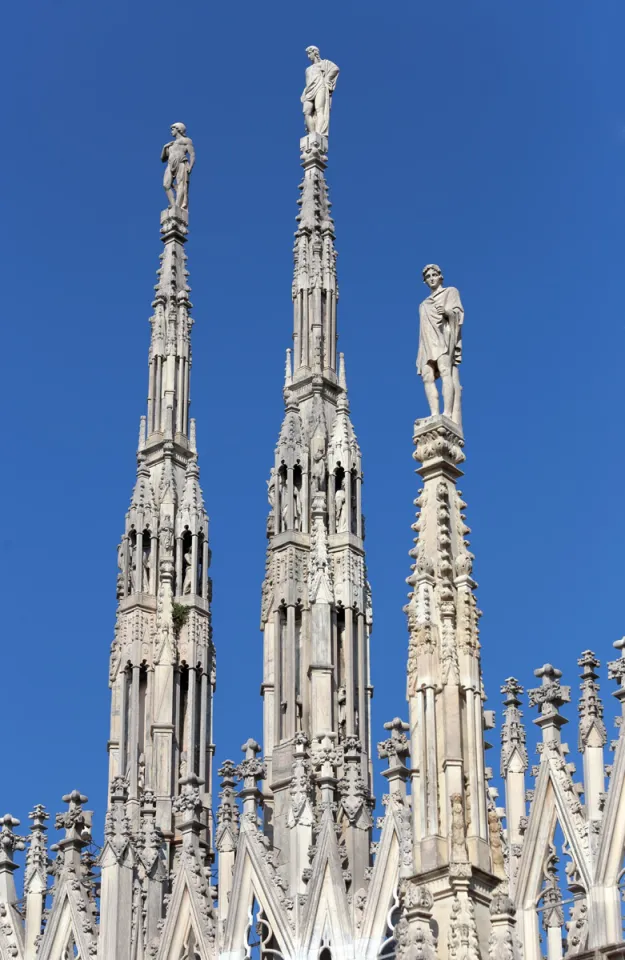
column 441, row 316
column 321, row 78
column 179, row 156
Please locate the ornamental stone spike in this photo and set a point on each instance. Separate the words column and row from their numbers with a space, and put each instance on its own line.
column 396, row 749
column 616, row 671
column 592, row 734
column 249, row 771
column 35, row 879
column 9, row 843
column 549, row 697
column 514, row 759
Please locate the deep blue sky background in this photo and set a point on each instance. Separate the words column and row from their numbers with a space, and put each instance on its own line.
column 486, row 136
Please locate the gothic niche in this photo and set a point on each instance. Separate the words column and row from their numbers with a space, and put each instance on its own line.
column 201, row 577
column 146, row 562
column 290, row 504
column 340, row 504
column 132, row 560
column 186, row 548
column 297, row 496
column 283, row 501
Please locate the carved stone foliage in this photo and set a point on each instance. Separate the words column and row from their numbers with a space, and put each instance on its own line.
column 447, row 606
column 300, row 789
column 591, row 726
column 434, row 439
column 463, row 941
column 227, row 811
column 352, row 788
column 512, row 732
column 551, row 695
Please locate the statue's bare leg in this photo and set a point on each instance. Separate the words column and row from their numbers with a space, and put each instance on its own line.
column 168, row 179
column 182, row 186
column 431, row 392
column 308, row 115
column 457, row 412
column 444, row 367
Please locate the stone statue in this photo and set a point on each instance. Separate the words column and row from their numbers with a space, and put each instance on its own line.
column 284, row 502
column 186, row 580
column 147, row 552
column 318, row 471
column 167, row 534
column 271, row 488
column 440, row 343
column 496, row 846
column 121, row 576
column 141, row 774
column 340, row 513
column 297, row 508
column 458, row 830
column 179, row 156
column 317, row 96
column 132, row 564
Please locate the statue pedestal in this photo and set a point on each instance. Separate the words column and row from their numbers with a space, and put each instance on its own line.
column 174, row 222
column 314, row 148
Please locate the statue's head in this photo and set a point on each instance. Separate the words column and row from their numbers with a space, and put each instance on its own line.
column 432, row 275
column 313, row 53
column 178, row 128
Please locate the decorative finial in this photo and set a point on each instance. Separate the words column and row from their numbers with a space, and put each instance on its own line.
column 513, row 730
column 342, row 377
column 441, row 316
column 9, row 841
column 179, row 156
column 321, row 78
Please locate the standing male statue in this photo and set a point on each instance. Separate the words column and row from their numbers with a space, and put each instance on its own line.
column 179, row 156
column 317, row 96
column 440, row 343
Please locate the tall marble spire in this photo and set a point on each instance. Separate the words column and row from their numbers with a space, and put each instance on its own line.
column 316, row 614
column 162, row 670
column 452, row 825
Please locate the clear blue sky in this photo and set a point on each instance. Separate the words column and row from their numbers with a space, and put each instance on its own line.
column 486, row 136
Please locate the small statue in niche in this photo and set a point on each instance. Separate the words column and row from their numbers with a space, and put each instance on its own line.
column 141, row 774
column 458, row 830
column 183, row 765
column 284, row 501
column 342, row 705
column 179, row 156
column 297, row 508
column 188, row 568
column 340, row 513
column 167, row 534
column 132, row 563
column 271, row 488
column 121, row 576
column 441, row 316
column 147, row 565
column 496, row 846
column 318, row 471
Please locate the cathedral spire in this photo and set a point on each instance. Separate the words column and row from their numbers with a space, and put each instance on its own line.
column 450, row 801
column 316, row 615
column 162, row 658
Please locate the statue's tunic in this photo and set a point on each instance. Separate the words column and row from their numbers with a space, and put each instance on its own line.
column 322, row 73
column 440, row 330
